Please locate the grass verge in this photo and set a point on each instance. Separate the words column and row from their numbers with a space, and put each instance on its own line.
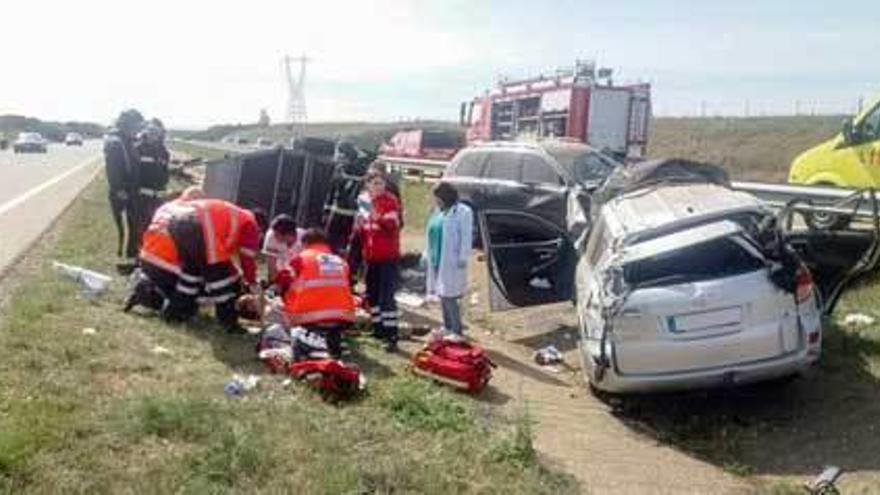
column 138, row 406
column 197, row 151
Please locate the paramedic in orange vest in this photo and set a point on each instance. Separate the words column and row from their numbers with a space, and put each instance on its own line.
column 229, row 232
column 318, row 296
column 161, row 266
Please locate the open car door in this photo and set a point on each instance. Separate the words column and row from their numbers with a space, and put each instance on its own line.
column 836, row 257
column 530, row 260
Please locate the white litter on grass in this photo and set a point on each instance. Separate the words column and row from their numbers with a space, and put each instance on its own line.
column 251, row 382
column 92, row 282
column 89, row 331
column 410, row 299
column 858, row 320
column 548, row 355
column 161, row 351
column 475, row 299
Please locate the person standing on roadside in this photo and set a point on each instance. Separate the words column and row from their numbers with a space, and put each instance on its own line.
column 379, row 230
column 449, row 240
column 122, row 169
column 152, row 172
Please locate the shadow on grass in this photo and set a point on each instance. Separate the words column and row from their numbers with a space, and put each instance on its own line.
column 786, row 427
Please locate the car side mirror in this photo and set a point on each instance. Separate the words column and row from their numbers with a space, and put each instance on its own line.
column 849, row 132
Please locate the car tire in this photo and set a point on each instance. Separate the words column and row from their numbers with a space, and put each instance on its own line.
column 827, row 221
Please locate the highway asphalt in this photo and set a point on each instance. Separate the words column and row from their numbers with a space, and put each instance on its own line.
column 36, row 188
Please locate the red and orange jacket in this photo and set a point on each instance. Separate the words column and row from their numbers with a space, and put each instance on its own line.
column 380, row 229
column 229, row 231
column 320, row 289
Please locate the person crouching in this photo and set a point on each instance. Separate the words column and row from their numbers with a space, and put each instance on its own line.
column 318, row 296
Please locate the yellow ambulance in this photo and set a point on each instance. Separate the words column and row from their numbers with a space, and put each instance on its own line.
column 850, row 159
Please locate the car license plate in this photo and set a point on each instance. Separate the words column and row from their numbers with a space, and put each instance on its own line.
column 705, row 320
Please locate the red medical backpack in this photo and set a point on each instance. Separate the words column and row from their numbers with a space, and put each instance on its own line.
column 460, row 364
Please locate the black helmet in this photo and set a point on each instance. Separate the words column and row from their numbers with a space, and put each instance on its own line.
column 158, row 123
column 129, row 122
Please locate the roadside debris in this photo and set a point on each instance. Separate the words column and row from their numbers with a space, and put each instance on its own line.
column 93, row 283
column 824, row 483
column 161, row 351
column 89, row 331
column 409, row 299
column 548, row 355
column 858, row 320
column 239, row 386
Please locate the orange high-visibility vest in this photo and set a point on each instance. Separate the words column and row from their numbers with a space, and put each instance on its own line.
column 320, row 290
column 222, row 224
column 157, row 245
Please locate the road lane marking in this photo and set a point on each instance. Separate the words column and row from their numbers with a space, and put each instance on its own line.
column 12, row 203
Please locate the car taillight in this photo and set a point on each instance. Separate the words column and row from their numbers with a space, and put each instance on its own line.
column 803, row 284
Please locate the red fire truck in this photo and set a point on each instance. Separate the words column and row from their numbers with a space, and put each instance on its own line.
column 430, row 144
column 582, row 104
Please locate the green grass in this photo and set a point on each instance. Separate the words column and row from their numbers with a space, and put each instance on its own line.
column 418, row 202
column 196, row 151
column 105, row 414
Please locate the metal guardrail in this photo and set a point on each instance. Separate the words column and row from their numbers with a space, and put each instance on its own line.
column 851, row 202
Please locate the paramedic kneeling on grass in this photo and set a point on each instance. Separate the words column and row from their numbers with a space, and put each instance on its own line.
column 449, row 239
column 318, row 296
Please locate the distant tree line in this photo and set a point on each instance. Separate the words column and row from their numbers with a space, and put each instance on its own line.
column 11, row 125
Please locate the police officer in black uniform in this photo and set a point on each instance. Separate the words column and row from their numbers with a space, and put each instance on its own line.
column 152, row 174
column 122, row 165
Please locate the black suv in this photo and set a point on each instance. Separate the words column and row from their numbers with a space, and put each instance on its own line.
column 535, row 178
column 531, row 203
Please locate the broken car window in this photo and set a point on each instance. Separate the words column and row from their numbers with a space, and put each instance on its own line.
column 712, row 260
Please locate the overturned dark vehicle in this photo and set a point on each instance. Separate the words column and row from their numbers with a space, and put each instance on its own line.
column 682, row 279
column 302, row 181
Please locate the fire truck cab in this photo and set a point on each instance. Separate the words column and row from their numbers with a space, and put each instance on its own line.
column 583, row 104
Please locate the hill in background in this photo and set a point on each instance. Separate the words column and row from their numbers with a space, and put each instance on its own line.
column 757, row 148
column 11, row 125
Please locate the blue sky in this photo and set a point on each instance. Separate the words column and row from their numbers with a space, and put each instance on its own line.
column 197, row 62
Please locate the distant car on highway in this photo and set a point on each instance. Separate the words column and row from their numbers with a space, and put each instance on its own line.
column 73, row 139
column 30, row 142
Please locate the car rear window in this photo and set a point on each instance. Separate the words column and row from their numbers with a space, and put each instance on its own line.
column 720, row 258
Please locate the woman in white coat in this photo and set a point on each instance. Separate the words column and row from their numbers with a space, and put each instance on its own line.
column 449, row 238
